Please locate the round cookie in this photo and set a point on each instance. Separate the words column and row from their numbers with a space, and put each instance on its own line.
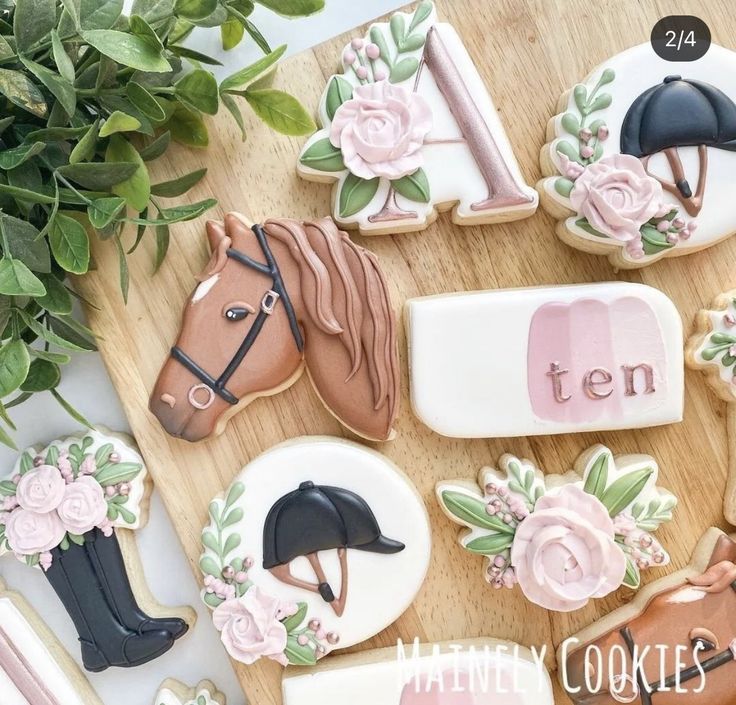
column 639, row 161
column 318, row 544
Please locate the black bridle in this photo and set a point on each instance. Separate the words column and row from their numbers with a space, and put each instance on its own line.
column 277, row 292
column 645, row 690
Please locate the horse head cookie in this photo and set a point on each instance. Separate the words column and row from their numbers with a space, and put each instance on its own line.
column 675, row 643
column 639, row 162
column 408, row 128
column 318, row 544
column 712, row 349
column 273, row 299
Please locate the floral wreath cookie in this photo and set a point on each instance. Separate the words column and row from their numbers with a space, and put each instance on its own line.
column 480, row 671
column 318, row 544
column 173, row 692
column 712, row 349
column 691, row 613
column 563, row 539
column 638, row 164
column 35, row 669
column 408, row 128
column 61, row 506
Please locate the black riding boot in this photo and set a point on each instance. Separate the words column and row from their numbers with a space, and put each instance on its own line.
column 105, row 642
column 107, row 560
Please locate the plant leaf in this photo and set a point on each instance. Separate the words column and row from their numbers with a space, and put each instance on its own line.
column 177, row 187
column 73, row 332
column 245, row 76
column 229, row 102
column 356, row 194
column 123, row 269
column 70, row 244
column 339, row 91
column 21, row 91
column 198, row 91
column 187, row 128
column 17, row 280
column 162, row 245
column 195, row 9
column 142, row 29
column 15, row 362
column 103, row 211
column 99, row 175
column 472, row 511
column 187, row 53
column 76, row 415
column 32, row 21
column 144, row 100
column 99, row 14
column 323, row 156
column 625, row 490
column 24, row 244
column 136, row 190
column 231, row 33
column 280, row 111
column 60, row 88
column 119, row 122
column 15, row 156
column 42, row 376
column 293, row 8
column 85, row 148
column 414, row 186
column 57, row 298
column 26, row 195
column 155, row 149
column 127, row 49
column 63, row 63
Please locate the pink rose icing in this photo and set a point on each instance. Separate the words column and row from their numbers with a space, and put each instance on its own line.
column 250, row 627
column 41, row 490
column 380, row 131
column 617, row 197
column 28, row 532
column 564, row 553
column 83, row 507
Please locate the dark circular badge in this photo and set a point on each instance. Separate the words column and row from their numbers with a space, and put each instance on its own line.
column 680, row 38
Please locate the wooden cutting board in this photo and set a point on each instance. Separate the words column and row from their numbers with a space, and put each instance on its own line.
column 529, row 52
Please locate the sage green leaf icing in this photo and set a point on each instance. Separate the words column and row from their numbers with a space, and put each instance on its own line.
column 625, row 490
column 323, row 156
column 339, row 91
column 414, row 186
column 356, row 194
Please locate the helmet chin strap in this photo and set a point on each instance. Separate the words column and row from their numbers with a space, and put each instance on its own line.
column 322, row 588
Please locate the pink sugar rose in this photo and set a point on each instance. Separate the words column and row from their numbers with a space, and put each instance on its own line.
column 250, row 627
column 29, row 532
column 83, row 507
column 40, row 490
column 617, row 197
column 564, row 553
column 380, row 131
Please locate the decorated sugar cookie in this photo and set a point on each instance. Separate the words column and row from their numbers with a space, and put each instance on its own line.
column 318, row 544
column 712, row 349
column 675, row 643
column 34, row 667
column 274, row 299
column 462, row 672
column 175, row 693
column 61, row 507
column 408, row 128
column 545, row 360
column 563, row 539
column 639, row 162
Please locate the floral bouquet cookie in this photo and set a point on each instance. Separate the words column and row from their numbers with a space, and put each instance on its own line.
column 563, row 539
column 638, row 163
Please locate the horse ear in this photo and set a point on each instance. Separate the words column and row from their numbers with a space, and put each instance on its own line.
column 215, row 234
column 219, row 245
column 725, row 550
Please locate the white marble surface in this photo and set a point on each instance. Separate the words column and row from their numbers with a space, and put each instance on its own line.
column 86, row 384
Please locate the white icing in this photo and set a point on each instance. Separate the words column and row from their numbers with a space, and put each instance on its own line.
column 468, row 361
column 36, row 652
column 167, row 696
column 381, row 587
column 502, row 677
column 720, row 324
column 204, row 288
column 686, row 596
column 637, row 70
column 453, row 174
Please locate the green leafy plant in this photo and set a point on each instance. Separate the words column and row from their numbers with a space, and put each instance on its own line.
column 89, row 97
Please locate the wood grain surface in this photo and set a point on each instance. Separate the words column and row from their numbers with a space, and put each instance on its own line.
column 529, row 52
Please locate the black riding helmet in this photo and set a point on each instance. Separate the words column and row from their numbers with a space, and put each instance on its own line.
column 317, row 518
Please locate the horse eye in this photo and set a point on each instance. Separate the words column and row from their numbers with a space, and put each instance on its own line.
column 236, row 313
column 703, row 639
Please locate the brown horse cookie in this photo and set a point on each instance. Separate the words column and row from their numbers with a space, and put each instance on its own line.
column 274, row 299
column 678, row 634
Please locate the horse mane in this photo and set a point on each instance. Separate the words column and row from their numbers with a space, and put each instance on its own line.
column 368, row 332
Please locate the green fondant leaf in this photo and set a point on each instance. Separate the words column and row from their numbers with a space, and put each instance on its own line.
column 379, row 40
column 210, row 541
column 7, row 488
column 607, row 77
column 233, row 541
column 596, row 125
column 75, row 538
column 597, row 479
column 654, row 241
column 472, row 510
column 64, row 545
column 403, row 70
column 398, row 29
column 127, row 516
column 235, row 493
column 323, row 156
column 103, row 453
column 632, row 578
column 583, row 224
column 601, row 102
column 209, row 567
column 490, row 545
column 291, row 623
column 117, row 473
column 211, row 600
column 564, row 186
column 52, row 455
column 112, row 511
column 413, row 42
column 424, row 10
column 414, row 186
column 299, row 655
column 572, row 153
column 233, row 517
column 356, row 194
column 580, row 93
column 571, row 124
column 26, row 462
column 625, row 490
column 722, row 338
